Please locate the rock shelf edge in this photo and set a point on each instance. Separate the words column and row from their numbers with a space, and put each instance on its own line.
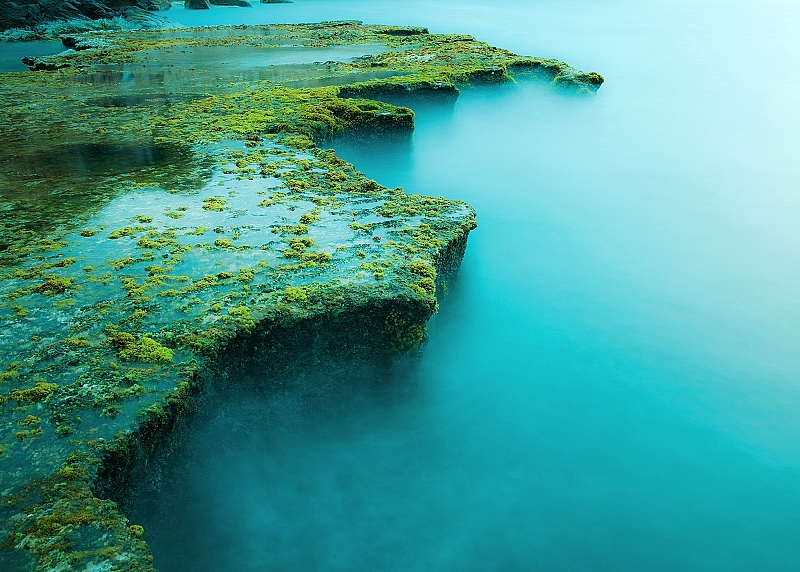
column 217, row 230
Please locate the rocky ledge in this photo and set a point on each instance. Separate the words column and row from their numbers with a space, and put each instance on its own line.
column 170, row 211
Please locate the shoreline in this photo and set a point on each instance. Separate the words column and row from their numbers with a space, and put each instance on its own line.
column 210, row 226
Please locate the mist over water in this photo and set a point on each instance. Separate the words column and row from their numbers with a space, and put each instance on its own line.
column 613, row 382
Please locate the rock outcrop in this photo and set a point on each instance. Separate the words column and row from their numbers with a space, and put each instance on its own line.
column 241, row 3
column 156, row 5
column 143, row 18
column 30, row 13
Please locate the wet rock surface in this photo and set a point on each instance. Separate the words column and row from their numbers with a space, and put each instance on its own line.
column 163, row 225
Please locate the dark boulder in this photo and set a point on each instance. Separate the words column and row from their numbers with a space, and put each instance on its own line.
column 197, row 4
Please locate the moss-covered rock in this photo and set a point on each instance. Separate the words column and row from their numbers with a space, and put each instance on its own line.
column 213, row 230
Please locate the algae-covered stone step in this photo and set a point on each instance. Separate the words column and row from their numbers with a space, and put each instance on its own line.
column 170, row 211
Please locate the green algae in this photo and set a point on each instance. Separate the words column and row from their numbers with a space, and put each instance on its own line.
column 53, row 285
column 422, row 268
column 147, row 350
column 214, row 204
column 302, row 242
column 37, row 393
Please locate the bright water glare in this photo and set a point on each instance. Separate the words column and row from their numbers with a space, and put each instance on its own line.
column 613, row 382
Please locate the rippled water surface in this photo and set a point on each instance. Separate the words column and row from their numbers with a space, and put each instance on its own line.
column 613, row 382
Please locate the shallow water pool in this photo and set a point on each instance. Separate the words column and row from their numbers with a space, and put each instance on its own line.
column 11, row 53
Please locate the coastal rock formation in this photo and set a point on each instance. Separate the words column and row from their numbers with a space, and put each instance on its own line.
column 141, row 18
column 197, row 4
column 154, row 5
column 242, row 3
column 29, row 13
column 165, row 225
column 157, row 5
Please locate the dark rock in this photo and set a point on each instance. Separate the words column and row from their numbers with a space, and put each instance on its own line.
column 157, row 5
column 30, row 13
column 277, row 1
column 142, row 17
column 197, row 4
column 69, row 42
column 241, row 3
column 43, row 63
column 404, row 31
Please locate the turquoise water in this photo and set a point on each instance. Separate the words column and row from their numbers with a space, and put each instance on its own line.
column 613, row 382
column 11, row 53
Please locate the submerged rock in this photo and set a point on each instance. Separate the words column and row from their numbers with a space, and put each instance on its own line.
column 197, row 4
column 242, row 3
column 145, row 249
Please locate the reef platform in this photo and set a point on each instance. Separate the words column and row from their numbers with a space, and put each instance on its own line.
column 169, row 209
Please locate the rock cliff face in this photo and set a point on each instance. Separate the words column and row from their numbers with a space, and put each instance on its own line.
column 31, row 13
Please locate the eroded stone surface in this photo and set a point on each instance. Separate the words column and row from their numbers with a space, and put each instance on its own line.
column 162, row 210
